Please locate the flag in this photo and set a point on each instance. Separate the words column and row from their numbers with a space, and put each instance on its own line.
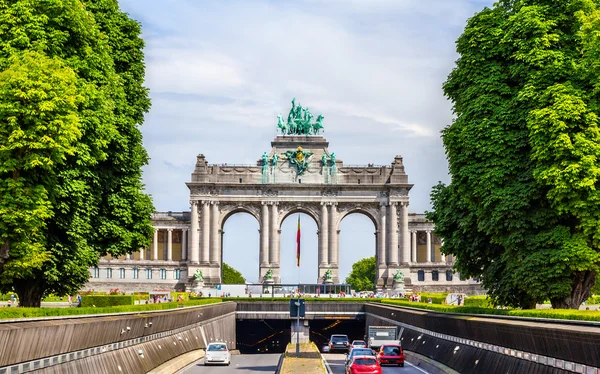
column 298, row 243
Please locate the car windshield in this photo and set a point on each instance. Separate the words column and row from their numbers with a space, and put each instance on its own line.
column 337, row 339
column 361, row 352
column 391, row 351
column 359, row 342
column 217, row 347
column 365, row 361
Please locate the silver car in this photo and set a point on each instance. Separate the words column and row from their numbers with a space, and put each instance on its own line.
column 217, row 353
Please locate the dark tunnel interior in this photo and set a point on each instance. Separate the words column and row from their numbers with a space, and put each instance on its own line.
column 273, row 335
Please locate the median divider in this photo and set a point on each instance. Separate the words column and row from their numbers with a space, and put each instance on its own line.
column 309, row 361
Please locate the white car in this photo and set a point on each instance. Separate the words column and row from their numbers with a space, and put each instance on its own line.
column 217, row 353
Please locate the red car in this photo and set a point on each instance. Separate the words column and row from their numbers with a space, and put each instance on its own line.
column 391, row 354
column 364, row 365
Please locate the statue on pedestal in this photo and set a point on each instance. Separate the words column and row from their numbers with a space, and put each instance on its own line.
column 198, row 281
column 399, row 281
column 268, row 278
column 327, row 277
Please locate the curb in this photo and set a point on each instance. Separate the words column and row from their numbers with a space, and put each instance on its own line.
column 324, row 361
column 278, row 370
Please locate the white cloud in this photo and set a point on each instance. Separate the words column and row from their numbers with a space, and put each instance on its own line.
column 219, row 72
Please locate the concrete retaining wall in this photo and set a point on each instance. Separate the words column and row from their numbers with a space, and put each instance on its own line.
column 103, row 344
column 493, row 344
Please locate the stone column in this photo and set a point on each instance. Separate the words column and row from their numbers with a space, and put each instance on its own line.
column 264, row 235
column 333, row 236
column 428, row 245
column 405, row 234
column 323, row 236
column 142, row 252
column 215, row 241
column 195, row 238
column 414, row 245
column 277, row 249
column 274, row 238
column 184, row 243
column 155, row 245
column 205, row 237
column 169, row 244
column 128, row 256
column 381, row 237
column 393, row 235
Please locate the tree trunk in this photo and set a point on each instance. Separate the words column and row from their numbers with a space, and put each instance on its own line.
column 581, row 286
column 30, row 292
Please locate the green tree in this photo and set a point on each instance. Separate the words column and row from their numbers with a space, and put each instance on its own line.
column 522, row 210
column 232, row 276
column 95, row 201
column 362, row 276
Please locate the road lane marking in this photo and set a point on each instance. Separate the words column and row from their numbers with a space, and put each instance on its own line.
column 326, row 364
column 416, row 367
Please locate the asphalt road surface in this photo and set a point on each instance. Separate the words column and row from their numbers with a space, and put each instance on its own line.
column 336, row 363
column 263, row 363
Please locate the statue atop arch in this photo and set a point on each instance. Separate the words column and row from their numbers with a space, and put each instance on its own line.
column 299, row 121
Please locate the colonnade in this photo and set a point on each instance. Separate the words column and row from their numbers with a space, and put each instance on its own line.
column 169, row 242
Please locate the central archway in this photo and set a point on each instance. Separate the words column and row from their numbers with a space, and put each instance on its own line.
column 307, row 272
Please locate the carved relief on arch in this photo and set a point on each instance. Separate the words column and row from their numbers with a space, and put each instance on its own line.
column 399, row 192
column 202, row 191
column 227, row 209
column 312, row 209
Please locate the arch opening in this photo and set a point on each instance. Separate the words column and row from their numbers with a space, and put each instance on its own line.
column 357, row 241
column 308, row 270
column 240, row 241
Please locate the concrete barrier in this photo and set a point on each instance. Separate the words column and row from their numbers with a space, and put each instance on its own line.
column 475, row 344
column 125, row 343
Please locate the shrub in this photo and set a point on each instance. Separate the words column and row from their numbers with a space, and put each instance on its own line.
column 478, row 301
column 104, row 301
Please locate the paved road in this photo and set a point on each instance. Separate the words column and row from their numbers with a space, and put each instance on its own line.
column 336, row 363
column 263, row 363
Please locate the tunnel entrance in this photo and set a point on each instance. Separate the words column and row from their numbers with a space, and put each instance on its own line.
column 322, row 329
column 262, row 335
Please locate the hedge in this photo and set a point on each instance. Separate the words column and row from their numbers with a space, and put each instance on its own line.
column 568, row 314
column 104, row 301
column 11, row 313
column 478, row 301
column 307, row 299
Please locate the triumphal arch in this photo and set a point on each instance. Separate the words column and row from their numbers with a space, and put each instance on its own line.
column 300, row 174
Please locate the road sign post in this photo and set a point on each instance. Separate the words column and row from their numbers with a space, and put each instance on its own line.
column 297, row 309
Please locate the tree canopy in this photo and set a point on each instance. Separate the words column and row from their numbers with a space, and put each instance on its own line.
column 362, row 276
column 232, row 276
column 522, row 211
column 70, row 184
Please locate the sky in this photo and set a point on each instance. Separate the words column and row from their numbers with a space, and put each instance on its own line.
column 219, row 72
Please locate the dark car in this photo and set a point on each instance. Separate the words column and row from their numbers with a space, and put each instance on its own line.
column 359, row 352
column 391, row 354
column 338, row 343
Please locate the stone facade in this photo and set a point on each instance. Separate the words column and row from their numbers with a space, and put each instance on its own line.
column 270, row 191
